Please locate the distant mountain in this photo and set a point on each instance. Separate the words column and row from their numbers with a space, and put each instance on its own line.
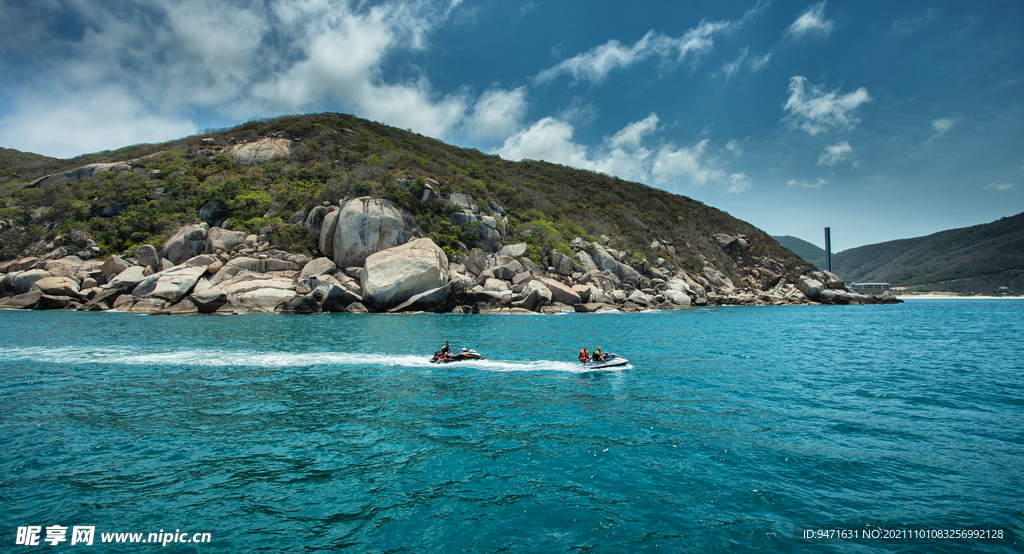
column 972, row 260
column 808, row 252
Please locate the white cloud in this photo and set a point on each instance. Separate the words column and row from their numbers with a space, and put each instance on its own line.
column 548, row 139
column 811, row 22
column 1001, row 187
column 624, row 155
column 760, row 63
column 595, row 64
column 690, row 164
column 339, row 57
column 551, row 140
column 814, row 110
column 169, row 59
column 738, row 182
column 735, row 146
column 631, row 135
column 904, row 26
column 733, row 67
column 816, row 184
column 835, row 154
column 88, row 122
column 942, row 126
column 498, row 113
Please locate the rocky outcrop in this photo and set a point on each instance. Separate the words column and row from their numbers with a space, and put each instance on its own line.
column 172, row 284
column 187, row 242
column 77, row 175
column 327, row 229
column 260, row 151
column 374, row 262
column 58, row 286
column 393, row 276
column 26, row 280
column 221, row 240
column 368, row 225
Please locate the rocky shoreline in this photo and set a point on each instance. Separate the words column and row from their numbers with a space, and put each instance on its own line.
column 377, row 262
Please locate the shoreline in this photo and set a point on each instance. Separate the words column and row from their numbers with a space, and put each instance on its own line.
column 951, row 296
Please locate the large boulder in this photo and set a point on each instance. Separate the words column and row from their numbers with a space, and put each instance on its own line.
column 47, row 302
column 563, row 294
column 459, row 282
column 77, row 175
column 810, row 287
column 514, row 250
column 317, row 268
column 7, row 284
column 26, row 280
column 128, row 279
column 676, row 297
column 208, row 300
column 335, row 298
column 259, row 300
column 368, row 225
column 25, row 301
column 147, row 256
column 327, row 230
column 58, row 286
column 67, row 266
column 172, row 284
column 249, row 282
column 604, row 260
column 833, row 281
column 392, row 276
column 464, row 201
column 476, row 261
column 585, row 260
column 304, row 304
column 262, row 150
column 315, row 220
column 535, row 296
column 103, row 300
column 221, row 240
column 429, row 301
column 562, row 263
column 185, row 243
column 113, row 265
column 495, row 285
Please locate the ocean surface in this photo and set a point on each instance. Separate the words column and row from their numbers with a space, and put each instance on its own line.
column 732, row 429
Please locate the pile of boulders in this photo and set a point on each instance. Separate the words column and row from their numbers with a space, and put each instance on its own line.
column 378, row 262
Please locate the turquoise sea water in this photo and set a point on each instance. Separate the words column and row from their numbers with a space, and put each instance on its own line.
column 731, row 430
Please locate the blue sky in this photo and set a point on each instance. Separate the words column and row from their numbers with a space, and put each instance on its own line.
column 881, row 120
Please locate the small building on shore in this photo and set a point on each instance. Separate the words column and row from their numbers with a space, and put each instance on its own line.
column 871, row 287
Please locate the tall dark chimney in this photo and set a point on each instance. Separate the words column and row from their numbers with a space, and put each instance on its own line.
column 828, row 248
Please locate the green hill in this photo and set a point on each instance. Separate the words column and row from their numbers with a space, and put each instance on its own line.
column 972, row 260
column 336, row 156
column 808, row 252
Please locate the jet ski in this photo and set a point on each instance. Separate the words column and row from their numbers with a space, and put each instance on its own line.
column 465, row 354
column 610, row 360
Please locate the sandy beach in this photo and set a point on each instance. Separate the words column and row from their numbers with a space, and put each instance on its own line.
column 952, row 296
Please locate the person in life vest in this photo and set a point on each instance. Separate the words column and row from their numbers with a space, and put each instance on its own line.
column 584, row 355
column 598, row 355
column 446, row 351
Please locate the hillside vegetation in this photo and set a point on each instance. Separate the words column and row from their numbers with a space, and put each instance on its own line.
column 337, row 156
column 972, row 260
